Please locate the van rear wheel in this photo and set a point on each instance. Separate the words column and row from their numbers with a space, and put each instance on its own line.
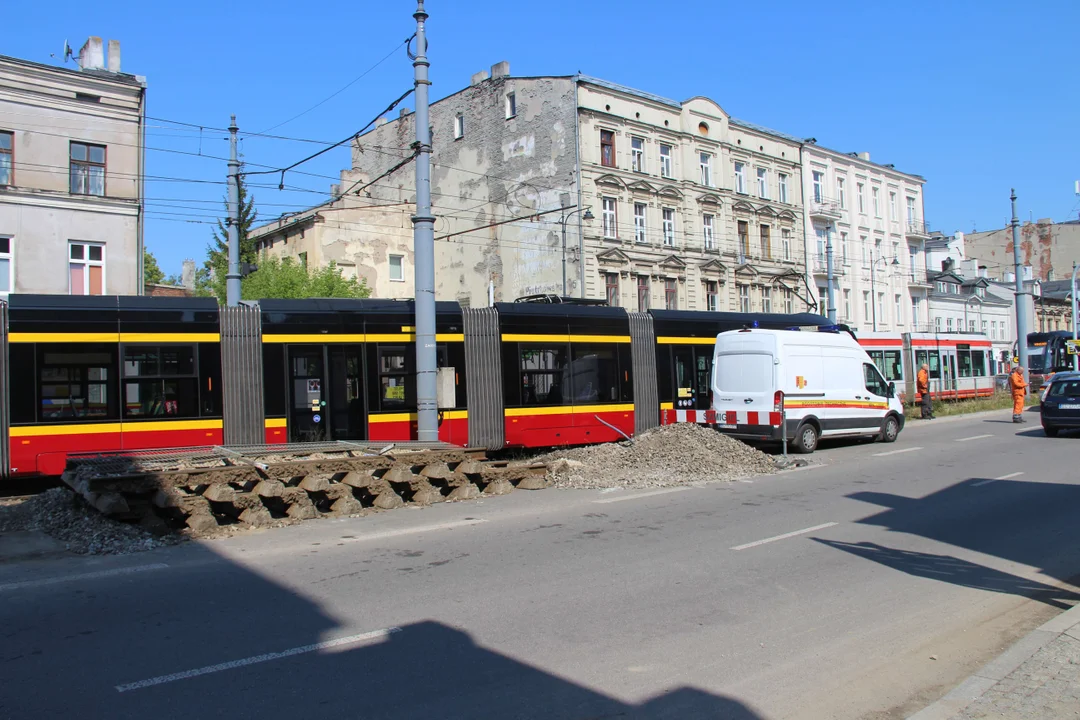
column 806, row 439
column 890, row 430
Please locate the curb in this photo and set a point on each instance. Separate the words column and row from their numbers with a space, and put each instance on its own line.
column 997, row 669
column 913, row 422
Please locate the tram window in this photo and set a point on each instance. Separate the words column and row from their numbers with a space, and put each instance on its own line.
column 160, row 381
column 393, row 377
column 594, row 374
column 21, row 369
column 75, row 385
column 544, row 374
column 894, row 369
column 929, row 358
column 978, row 363
column 209, row 379
column 964, row 359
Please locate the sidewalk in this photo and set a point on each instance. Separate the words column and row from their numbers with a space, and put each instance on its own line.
column 1038, row 678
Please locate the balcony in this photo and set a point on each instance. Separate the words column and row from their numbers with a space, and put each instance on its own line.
column 821, row 267
column 917, row 229
column 825, row 208
column 917, row 277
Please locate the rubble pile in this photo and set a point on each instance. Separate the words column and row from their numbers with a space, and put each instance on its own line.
column 665, row 456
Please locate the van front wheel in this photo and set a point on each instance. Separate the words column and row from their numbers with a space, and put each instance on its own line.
column 806, row 439
column 890, row 430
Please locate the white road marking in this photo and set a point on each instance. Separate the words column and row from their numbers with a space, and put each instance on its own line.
column 785, row 536
column 1003, row 477
column 413, row 530
column 83, row 576
column 973, row 437
column 897, row 452
column 635, row 496
column 350, row 640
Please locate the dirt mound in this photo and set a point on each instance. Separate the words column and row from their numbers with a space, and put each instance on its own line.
column 63, row 515
column 669, row 455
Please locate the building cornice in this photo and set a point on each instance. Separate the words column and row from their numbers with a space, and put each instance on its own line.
column 65, row 201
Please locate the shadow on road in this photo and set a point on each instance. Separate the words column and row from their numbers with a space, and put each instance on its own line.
column 1024, row 521
column 958, row 572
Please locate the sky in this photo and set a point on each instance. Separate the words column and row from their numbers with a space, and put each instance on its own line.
column 975, row 96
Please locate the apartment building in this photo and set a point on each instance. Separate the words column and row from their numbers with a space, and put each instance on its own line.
column 577, row 186
column 873, row 215
column 71, row 169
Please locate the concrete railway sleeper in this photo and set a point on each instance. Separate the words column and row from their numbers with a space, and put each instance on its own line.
column 205, row 492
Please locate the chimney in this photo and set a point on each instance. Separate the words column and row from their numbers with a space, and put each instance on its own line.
column 92, row 55
column 1044, row 221
column 114, row 56
column 479, row 77
column 187, row 275
column 1026, row 272
column 864, row 156
column 403, row 112
column 500, row 69
column 379, row 122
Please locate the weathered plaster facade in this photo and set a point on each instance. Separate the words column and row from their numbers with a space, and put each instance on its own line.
column 1049, row 248
column 43, row 111
column 874, row 214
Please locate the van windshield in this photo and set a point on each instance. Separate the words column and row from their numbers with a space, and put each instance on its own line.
column 744, row 372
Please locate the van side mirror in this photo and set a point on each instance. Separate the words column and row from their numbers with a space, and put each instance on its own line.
column 892, row 389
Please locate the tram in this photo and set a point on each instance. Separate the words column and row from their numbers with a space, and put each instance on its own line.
column 961, row 365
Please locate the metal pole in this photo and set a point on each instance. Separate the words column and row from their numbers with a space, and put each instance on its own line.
column 564, row 219
column 427, row 411
column 830, row 292
column 232, row 277
column 1072, row 290
column 1021, row 305
column 873, row 292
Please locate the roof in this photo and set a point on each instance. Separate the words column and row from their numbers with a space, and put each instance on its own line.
column 107, row 75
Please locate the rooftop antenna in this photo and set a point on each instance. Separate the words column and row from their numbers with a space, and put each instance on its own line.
column 67, row 53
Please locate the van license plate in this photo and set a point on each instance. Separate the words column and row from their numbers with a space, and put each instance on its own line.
column 1069, row 407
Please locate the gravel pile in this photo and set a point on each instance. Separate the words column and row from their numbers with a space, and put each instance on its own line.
column 63, row 515
column 668, row 455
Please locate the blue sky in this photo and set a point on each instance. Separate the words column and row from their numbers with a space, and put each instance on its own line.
column 976, row 97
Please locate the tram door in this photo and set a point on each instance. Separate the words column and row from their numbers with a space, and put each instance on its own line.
column 692, row 367
column 325, row 389
column 948, row 370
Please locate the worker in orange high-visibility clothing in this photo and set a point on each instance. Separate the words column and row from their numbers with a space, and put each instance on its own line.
column 1019, row 387
column 922, row 384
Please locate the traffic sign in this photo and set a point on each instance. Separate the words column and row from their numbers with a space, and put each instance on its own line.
column 1072, row 347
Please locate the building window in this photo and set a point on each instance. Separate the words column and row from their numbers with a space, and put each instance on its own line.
column 893, row 215
column 983, row 327
column 7, row 155
column 642, row 293
column 877, row 201
column 899, row 311
column 86, row 269
column 971, row 325
column 911, row 210
column 763, row 183
column 7, row 266
column 766, row 243
column 948, row 324
column 915, row 314
column 866, row 311
column 707, row 229
column 87, row 169
column 823, row 295
column 740, row 177
column 860, row 197
column 711, row 296
column 847, row 305
column 937, row 324
column 459, row 127
column 671, row 295
column 511, row 105
column 744, row 240
column 841, row 193
column 397, row 271
column 789, row 301
column 669, row 227
column 993, row 329
column 639, row 223
column 665, row 161
column 865, row 251
column 637, row 154
column 819, row 186
column 303, row 260
column 766, row 299
column 781, row 180
column 844, row 248
column 785, row 240
column 611, row 287
column 881, row 308
column 744, row 298
column 706, row 169
column 607, row 148
column 608, row 213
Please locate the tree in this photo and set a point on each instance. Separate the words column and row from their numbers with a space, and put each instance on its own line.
column 210, row 278
column 286, row 278
column 152, row 274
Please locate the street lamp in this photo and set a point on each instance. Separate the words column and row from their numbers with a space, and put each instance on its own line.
column 562, row 221
column 873, row 292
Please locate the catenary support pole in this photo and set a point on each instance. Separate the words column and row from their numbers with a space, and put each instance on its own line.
column 1072, row 291
column 1021, row 300
column 232, row 276
column 830, row 292
column 427, row 411
column 873, row 290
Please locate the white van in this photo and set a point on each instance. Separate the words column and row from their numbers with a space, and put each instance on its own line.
column 816, row 384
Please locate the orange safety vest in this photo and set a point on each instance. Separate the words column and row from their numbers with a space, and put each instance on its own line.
column 1016, row 381
column 923, row 381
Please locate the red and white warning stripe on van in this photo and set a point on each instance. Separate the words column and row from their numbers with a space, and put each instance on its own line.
column 728, row 417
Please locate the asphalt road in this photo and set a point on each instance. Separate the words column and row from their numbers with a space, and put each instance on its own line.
column 866, row 586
